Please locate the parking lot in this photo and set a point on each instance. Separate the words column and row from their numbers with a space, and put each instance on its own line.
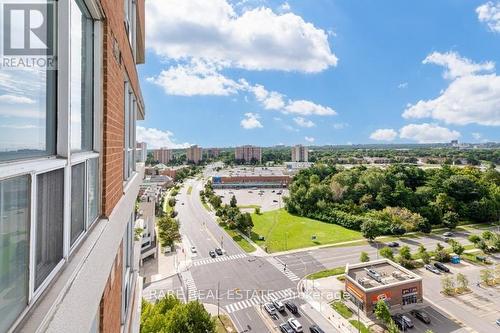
column 440, row 323
column 266, row 199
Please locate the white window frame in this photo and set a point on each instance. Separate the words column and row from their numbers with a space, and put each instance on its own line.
column 63, row 159
column 129, row 131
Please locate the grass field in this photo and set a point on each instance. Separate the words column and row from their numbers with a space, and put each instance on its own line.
column 248, row 206
column 224, row 324
column 283, row 231
column 359, row 326
column 326, row 273
column 342, row 309
column 242, row 242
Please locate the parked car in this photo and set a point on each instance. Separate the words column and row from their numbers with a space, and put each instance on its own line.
column 398, row 319
column 393, row 244
column 269, row 307
column 286, row 328
column 432, row 269
column 297, row 327
column 193, row 249
column 421, row 315
column 279, row 305
column 316, row 329
column 275, row 200
column 212, row 253
column 442, row 267
column 218, row 251
column 448, row 234
column 292, row 307
column 498, row 322
column 407, row 320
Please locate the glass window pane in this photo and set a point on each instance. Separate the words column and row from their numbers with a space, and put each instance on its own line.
column 81, row 77
column 14, row 248
column 93, row 190
column 49, row 223
column 77, row 201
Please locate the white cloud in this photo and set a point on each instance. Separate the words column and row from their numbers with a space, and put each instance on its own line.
column 477, row 136
column 403, row 85
column 489, row 13
column 270, row 100
column 256, row 39
column 285, row 7
column 156, row 138
column 13, row 99
column 428, row 133
column 302, row 122
column 457, row 66
column 467, row 100
column 384, row 134
column 195, row 79
column 339, row 126
column 307, row 108
column 309, row 139
column 19, row 127
column 251, row 121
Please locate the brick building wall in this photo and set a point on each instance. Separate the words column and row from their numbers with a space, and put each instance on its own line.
column 111, row 302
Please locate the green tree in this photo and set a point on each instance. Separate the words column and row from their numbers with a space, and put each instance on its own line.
column 447, row 285
column 171, row 202
column 363, row 257
column 386, row 252
column 257, row 211
column 457, row 247
column 392, row 327
column 426, row 257
column 168, row 231
column 382, row 312
column 405, row 252
column 233, row 202
column 371, row 229
column 450, row 220
column 462, row 281
column 474, row 239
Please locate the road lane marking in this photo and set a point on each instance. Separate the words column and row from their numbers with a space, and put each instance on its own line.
column 218, row 259
column 283, row 269
column 247, row 303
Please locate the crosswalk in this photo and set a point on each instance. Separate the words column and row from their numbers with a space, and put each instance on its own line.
column 218, row 259
column 281, row 267
column 190, row 285
column 256, row 300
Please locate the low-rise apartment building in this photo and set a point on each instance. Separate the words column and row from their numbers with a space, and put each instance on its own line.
column 68, row 174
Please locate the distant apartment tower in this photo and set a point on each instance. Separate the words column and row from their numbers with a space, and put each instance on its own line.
column 212, row 152
column 162, row 155
column 300, row 153
column 68, row 185
column 248, row 153
column 194, row 154
column 141, row 152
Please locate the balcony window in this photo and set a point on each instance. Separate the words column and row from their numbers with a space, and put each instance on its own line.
column 49, row 223
column 93, row 190
column 14, row 248
column 81, row 72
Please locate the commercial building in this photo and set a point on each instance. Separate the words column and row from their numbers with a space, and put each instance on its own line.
column 68, row 186
column 162, row 155
column 368, row 282
column 141, row 152
column 259, row 177
column 300, row 153
column 248, row 154
column 194, row 154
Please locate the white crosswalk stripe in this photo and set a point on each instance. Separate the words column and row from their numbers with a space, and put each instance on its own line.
column 247, row 303
column 281, row 267
column 218, row 259
column 190, row 285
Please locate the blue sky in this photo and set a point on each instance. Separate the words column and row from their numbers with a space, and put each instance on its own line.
column 320, row 72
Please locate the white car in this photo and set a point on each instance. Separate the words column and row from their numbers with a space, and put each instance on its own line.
column 295, row 325
column 193, row 249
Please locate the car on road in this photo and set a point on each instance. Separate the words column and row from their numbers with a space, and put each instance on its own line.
column 269, row 307
column 448, row 234
column 292, row 307
column 286, row 328
column 432, row 269
column 297, row 327
column 212, row 253
column 193, row 249
column 316, row 329
column 421, row 315
column 218, row 251
column 393, row 244
column 407, row 320
column 182, row 203
column 273, row 191
column 279, row 305
column 441, row 267
column 498, row 322
column 398, row 319
column 275, row 200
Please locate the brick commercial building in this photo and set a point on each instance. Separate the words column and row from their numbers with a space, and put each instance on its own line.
column 367, row 283
column 162, row 155
column 300, row 153
column 248, row 154
column 68, row 259
column 194, row 154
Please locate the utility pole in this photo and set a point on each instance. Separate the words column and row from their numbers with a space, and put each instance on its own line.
column 218, row 300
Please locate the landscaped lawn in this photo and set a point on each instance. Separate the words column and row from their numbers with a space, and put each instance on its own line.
column 342, row 309
column 326, row 273
column 242, row 242
column 283, row 231
column 360, row 326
